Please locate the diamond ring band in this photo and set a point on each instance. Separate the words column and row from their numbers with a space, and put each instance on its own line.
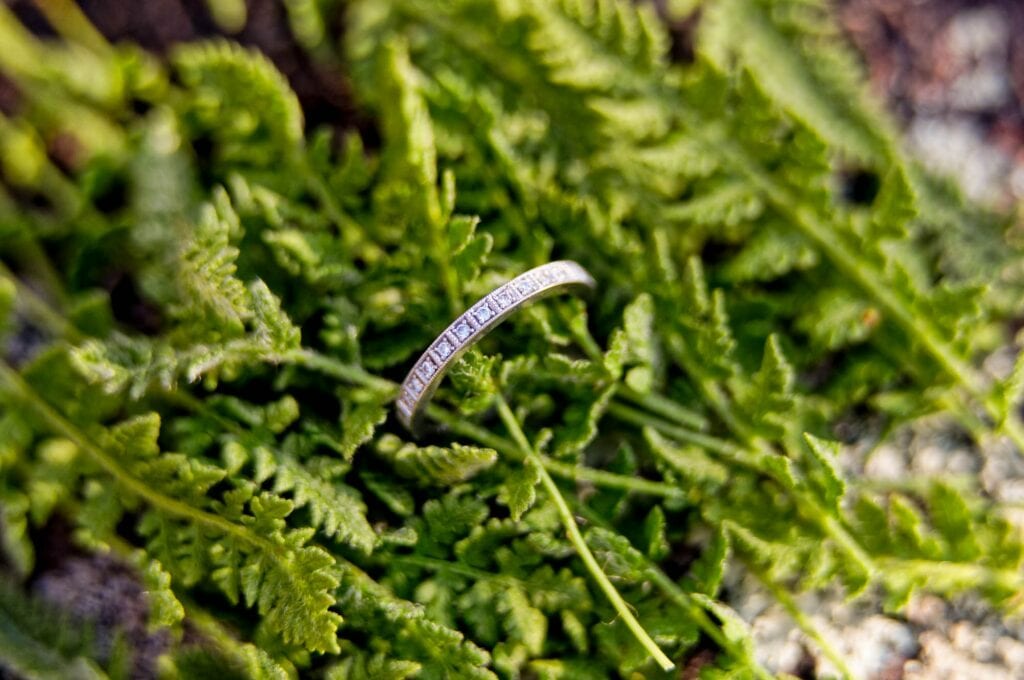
column 548, row 279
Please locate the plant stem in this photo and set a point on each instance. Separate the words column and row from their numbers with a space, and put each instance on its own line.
column 664, row 407
column 338, row 369
column 71, row 23
column 683, row 600
column 652, row 401
column 125, row 479
column 803, row 622
column 865, row 277
column 733, row 452
column 577, row 473
column 576, row 538
column 39, row 310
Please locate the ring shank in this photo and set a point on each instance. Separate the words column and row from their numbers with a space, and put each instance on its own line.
column 489, row 311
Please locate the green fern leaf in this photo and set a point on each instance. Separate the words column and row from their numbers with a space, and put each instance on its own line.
column 243, row 95
column 519, row 490
column 826, row 473
column 445, row 466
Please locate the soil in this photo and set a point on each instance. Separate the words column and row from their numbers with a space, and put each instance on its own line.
column 953, row 73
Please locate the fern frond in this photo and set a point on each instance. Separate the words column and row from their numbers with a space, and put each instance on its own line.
column 245, row 95
column 434, row 464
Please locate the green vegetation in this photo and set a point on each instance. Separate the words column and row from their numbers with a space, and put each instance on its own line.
column 207, row 307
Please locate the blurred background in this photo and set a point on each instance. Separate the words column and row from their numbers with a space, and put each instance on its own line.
column 952, row 71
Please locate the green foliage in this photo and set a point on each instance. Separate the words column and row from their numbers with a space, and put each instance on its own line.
column 228, row 430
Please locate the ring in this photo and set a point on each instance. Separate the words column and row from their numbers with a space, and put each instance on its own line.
column 490, row 310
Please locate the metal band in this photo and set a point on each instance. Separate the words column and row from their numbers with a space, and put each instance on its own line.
column 539, row 282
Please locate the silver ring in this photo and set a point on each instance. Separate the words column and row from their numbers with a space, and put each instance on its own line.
column 490, row 310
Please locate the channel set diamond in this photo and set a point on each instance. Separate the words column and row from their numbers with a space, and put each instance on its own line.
column 483, row 312
column 426, row 373
column 427, row 368
column 462, row 330
column 505, row 296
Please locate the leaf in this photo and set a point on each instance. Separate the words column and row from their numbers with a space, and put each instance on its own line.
column 1011, row 391
column 809, row 71
column 210, row 295
column 298, row 581
column 469, row 250
column 826, row 475
column 362, row 665
column 733, row 626
column 952, row 518
column 690, row 463
column 334, row 507
column 580, row 423
column 472, row 378
column 519, row 489
column 164, row 607
column 391, row 492
column 272, row 329
column 523, row 621
column 8, row 296
column 436, row 465
column 617, row 556
column 838, row 318
column 772, row 252
column 895, row 206
column 770, row 398
column 451, row 517
column 658, row 547
column 708, row 569
column 249, row 97
column 358, row 423
column 410, row 154
column 634, row 347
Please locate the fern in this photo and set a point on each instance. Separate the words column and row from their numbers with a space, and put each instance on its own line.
column 229, row 433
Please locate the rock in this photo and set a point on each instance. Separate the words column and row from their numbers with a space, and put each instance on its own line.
column 927, row 611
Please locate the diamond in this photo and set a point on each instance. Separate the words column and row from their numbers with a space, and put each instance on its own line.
column 462, row 330
column 525, row 286
column 545, row 275
column 505, row 296
column 483, row 312
column 444, row 348
column 416, row 385
column 427, row 368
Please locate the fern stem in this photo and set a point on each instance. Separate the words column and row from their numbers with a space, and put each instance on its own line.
column 610, row 480
column 665, row 407
column 340, row 370
column 71, row 23
column 978, row 575
column 751, row 459
column 730, row 450
column 683, row 600
column 576, row 473
column 39, row 309
column 576, row 538
column 58, row 424
column 869, row 280
column 652, row 401
column 785, row 598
